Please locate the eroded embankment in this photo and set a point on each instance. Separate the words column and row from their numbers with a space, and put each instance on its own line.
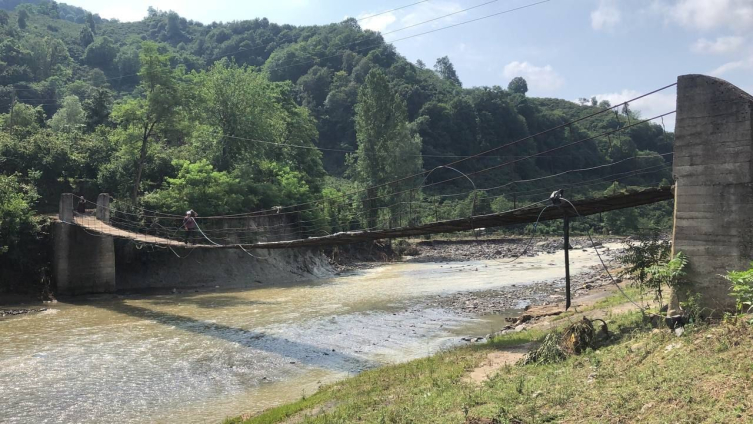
column 150, row 268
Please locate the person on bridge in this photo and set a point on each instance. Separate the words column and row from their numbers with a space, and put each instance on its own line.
column 189, row 224
column 81, row 206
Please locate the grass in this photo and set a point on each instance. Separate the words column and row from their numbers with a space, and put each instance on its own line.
column 611, row 301
column 642, row 376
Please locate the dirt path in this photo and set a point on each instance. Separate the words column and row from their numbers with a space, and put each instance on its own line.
column 546, row 318
column 495, row 361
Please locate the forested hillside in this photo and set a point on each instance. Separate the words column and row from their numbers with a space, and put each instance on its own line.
column 247, row 115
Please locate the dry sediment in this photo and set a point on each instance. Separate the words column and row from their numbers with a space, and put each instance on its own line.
column 11, row 312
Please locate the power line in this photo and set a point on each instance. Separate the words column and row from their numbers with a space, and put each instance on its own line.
column 391, row 10
column 554, row 149
column 414, row 35
column 380, row 43
column 441, row 17
column 453, row 163
column 274, row 212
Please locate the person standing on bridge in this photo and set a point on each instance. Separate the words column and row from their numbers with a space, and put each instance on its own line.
column 189, row 224
column 81, row 206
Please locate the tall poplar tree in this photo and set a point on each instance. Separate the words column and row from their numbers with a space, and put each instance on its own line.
column 386, row 148
column 158, row 107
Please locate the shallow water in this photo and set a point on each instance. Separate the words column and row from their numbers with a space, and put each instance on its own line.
column 199, row 357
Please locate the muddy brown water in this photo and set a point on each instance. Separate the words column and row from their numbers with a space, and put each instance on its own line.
column 200, row 357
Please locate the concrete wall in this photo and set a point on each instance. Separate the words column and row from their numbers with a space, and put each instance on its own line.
column 82, row 263
column 155, row 268
column 713, row 168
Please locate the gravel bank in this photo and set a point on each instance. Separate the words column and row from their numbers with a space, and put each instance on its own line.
column 511, row 300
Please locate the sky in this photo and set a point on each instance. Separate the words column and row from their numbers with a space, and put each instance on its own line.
column 610, row 49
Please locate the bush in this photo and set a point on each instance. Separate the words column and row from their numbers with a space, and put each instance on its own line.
column 742, row 288
column 16, row 214
column 640, row 256
column 199, row 187
column 23, row 250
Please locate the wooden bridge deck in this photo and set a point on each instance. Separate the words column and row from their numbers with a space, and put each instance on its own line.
column 93, row 225
column 521, row 216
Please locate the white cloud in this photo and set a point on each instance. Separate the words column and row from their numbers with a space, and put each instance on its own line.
column 539, row 78
column 606, row 16
column 395, row 21
column 707, row 14
column 738, row 65
column 429, row 10
column 377, row 23
column 653, row 105
column 123, row 13
column 721, row 45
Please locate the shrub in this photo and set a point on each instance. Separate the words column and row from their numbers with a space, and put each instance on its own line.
column 650, row 250
column 742, row 288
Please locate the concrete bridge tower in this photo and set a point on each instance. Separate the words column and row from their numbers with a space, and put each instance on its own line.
column 713, row 169
column 82, row 262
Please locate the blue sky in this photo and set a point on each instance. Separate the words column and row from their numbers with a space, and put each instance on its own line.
column 611, row 49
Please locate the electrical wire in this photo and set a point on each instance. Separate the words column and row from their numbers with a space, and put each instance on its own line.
column 593, row 244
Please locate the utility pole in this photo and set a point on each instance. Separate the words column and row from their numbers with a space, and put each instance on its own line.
column 566, row 221
column 556, row 199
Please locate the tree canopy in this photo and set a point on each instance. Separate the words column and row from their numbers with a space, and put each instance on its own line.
column 252, row 114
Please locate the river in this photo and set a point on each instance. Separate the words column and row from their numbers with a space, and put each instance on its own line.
column 195, row 357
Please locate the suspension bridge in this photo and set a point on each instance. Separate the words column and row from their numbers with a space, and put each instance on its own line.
column 711, row 169
column 536, row 213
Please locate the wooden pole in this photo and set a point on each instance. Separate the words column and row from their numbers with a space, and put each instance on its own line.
column 566, row 222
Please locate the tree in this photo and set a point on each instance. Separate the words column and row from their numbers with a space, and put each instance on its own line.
column 386, row 148
column 101, row 52
column 18, row 221
column 446, row 70
column 70, row 117
column 420, row 64
column 46, row 56
column 128, row 63
column 97, row 108
column 90, row 23
column 25, row 116
column 200, row 187
column 518, row 85
column 173, row 26
column 315, row 85
column 86, row 37
column 4, row 18
column 23, row 15
column 158, row 107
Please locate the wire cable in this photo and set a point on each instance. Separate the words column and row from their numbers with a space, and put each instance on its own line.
column 603, row 264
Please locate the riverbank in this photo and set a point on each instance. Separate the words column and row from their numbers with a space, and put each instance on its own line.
column 469, row 257
column 639, row 374
column 199, row 355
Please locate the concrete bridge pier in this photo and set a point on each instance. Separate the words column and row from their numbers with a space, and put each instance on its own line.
column 713, row 169
column 103, row 208
column 82, row 263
